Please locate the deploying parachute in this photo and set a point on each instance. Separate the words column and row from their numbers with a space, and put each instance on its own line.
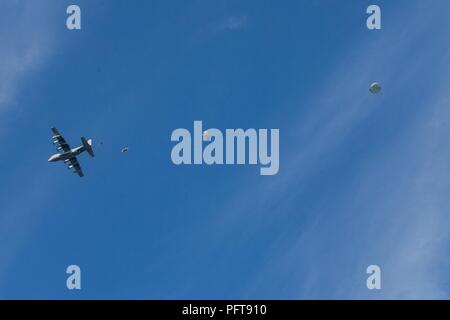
column 375, row 88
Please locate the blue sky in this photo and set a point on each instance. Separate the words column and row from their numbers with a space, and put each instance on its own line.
column 363, row 179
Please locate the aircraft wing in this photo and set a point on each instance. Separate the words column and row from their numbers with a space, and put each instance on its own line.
column 59, row 141
column 75, row 165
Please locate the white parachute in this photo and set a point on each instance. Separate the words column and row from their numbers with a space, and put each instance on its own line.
column 206, row 135
column 375, row 88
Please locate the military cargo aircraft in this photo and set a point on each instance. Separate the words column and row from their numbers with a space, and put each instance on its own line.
column 68, row 155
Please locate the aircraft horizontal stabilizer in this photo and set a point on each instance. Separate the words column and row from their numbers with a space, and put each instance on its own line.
column 87, row 144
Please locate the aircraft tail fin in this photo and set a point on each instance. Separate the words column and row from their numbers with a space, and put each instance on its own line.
column 87, row 144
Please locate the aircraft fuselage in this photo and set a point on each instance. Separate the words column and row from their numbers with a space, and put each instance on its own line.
column 66, row 155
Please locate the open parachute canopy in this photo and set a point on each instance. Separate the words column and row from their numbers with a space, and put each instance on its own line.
column 375, row 88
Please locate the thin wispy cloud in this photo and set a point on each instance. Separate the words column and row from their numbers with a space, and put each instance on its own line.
column 231, row 23
column 235, row 22
column 24, row 50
